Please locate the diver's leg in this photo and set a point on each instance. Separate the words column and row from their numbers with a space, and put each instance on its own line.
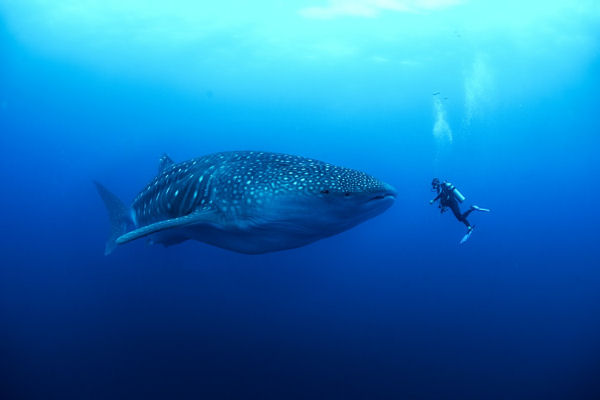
column 466, row 213
column 459, row 216
column 453, row 205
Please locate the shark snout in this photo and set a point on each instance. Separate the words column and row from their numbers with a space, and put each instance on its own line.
column 388, row 192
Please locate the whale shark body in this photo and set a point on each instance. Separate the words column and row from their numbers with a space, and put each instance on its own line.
column 247, row 201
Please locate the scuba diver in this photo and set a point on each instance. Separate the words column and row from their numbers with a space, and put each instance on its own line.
column 449, row 197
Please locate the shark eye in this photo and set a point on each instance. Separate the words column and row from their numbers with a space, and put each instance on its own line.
column 325, row 191
column 347, row 194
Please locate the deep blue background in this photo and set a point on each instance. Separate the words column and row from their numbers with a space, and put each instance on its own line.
column 391, row 309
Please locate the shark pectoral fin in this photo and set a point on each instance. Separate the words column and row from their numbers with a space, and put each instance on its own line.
column 197, row 217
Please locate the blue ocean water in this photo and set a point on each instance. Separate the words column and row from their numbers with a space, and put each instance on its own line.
column 499, row 97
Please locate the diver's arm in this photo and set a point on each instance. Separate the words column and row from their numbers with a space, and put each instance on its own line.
column 436, row 198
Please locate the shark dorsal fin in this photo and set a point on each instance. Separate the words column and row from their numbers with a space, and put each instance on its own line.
column 164, row 162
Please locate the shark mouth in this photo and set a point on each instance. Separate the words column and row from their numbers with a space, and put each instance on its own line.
column 383, row 196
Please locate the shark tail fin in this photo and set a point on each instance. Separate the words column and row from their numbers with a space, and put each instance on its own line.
column 119, row 215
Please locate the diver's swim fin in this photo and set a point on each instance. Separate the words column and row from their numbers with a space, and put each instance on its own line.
column 467, row 236
column 477, row 208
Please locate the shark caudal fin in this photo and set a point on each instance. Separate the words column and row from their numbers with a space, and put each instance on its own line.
column 119, row 215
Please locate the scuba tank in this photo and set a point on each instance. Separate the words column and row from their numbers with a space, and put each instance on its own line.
column 455, row 192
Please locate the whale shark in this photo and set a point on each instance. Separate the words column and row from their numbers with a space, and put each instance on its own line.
column 250, row 202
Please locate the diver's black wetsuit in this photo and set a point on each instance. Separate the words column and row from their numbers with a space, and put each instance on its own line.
column 447, row 199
